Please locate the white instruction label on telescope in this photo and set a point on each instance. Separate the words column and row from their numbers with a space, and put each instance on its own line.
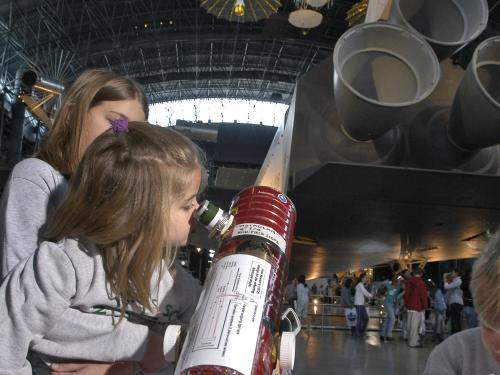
column 261, row 231
column 225, row 326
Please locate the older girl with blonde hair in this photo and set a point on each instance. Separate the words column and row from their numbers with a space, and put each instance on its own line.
column 37, row 185
column 114, row 237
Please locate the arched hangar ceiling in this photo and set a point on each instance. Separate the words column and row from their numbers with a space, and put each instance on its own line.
column 173, row 47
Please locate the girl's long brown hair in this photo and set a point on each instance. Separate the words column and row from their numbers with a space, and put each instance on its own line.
column 61, row 145
column 120, row 199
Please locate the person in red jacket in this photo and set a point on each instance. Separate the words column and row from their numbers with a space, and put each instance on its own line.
column 416, row 303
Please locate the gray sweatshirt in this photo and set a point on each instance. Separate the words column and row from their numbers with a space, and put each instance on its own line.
column 462, row 354
column 69, row 276
column 30, row 197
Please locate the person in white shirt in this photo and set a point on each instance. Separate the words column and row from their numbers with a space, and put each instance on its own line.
column 454, row 298
column 359, row 303
column 302, row 299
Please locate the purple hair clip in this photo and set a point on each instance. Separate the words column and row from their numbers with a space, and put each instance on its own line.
column 119, row 125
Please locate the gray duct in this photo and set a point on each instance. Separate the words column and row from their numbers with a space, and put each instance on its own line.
column 384, row 75
column 475, row 115
column 446, row 24
column 32, row 79
column 381, row 71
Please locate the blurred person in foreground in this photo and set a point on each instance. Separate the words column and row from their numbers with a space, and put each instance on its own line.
column 475, row 350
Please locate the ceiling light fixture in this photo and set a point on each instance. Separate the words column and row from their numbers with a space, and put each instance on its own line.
column 305, row 18
column 241, row 10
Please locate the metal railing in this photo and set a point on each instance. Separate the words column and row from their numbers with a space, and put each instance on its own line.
column 331, row 316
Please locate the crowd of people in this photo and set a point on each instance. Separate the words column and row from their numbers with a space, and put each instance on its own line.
column 407, row 299
column 471, row 344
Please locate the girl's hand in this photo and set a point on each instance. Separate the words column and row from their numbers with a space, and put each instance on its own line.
column 92, row 368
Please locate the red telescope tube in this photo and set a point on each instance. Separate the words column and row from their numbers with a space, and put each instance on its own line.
column 235, row 328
